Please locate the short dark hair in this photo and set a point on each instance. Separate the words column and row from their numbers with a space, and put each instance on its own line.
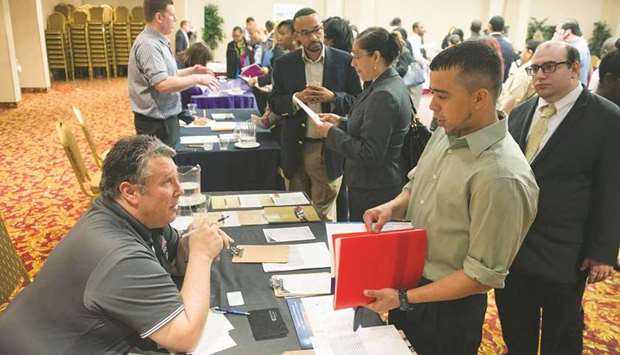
column 396, row 21
column 306, row 11
column 497, row 24
column 573, row 26
column 479, row 66
column 249, row 19
column 151, row 7
column 128, row 160
column 532, row 44
column 286, row 23
column 611, row 63
column 269, row 25
column 339, row 32
column 183, row 22
column 237, row 28
column 379, row 39
column 476, row 26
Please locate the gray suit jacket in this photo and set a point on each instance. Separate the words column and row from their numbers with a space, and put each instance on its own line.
column 373, row 136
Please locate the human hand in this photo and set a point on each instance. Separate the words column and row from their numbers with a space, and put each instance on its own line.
column 252, row 82
column 321, row 94
column 200, row 121
column 305, row 96
column 324, row 128
column 264, row 70
column 209, row 81
column 206, row 239
column 201, row 69
column 330, row 117
column 386, row 299
column 598, row 271
column 376, row 217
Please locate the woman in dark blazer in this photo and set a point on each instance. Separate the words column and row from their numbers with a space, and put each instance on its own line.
column 238, row 54
column 372, row 135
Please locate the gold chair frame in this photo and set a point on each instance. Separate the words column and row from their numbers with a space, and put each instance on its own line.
column 13, row 273
column 88, row 185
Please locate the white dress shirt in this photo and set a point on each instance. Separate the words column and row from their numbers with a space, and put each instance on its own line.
column 562, row 106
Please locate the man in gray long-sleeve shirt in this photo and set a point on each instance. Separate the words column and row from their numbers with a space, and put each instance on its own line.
column 153, row 78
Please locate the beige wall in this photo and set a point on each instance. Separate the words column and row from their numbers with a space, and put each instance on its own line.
column 9, row 85
column 29, row 39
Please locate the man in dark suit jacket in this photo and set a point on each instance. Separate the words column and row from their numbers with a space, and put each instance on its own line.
column 496, row 29
column 322, row 78
column 182, row 37
column 574, row 156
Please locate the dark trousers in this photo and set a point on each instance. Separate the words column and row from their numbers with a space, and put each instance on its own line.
column 443, row 328
column 167, row 130
column 520, row 304
column 360, row 200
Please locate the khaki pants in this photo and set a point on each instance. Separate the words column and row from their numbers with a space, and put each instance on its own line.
column 312, row 178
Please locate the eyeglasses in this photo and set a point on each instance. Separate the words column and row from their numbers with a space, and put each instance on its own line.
column 358, row 56
column 314, row 31
column 547, row 68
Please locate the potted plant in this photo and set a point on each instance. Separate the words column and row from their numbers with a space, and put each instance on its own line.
column 600, row 33
column 212, row 33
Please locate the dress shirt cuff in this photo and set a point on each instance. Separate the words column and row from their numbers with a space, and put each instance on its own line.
column 481, row 273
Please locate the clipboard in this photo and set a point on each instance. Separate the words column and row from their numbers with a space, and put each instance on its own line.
column 261, row 254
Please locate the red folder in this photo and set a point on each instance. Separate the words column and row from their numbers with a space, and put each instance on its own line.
column 392, row 259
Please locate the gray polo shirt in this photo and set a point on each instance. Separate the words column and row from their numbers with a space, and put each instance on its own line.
column 150, row 62
column 101, row 289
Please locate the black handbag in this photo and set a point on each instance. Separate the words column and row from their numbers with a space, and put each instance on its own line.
column 414, row 144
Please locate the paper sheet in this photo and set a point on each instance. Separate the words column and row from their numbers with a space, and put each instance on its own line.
column 232, row 219
column 313, row 115
column 315, row 283
column 223, row 116
column 215, row 335
column 324, row 319
column 290, row 199
column 291, row 234
column 222, row 126
column 303, row 256
column 366, row 341
column 249, row 201
column 198, row 139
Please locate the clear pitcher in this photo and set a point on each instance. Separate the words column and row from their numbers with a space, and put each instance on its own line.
column 189, row 177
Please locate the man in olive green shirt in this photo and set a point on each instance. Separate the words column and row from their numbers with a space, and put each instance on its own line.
column 474, row 193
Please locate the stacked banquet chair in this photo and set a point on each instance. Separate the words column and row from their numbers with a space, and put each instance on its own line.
column 137, row 22
column 121, row 41
column 57, row 44
column 100, row 39
column 80, row 52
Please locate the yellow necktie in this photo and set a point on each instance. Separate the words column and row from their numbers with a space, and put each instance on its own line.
column 538, row 132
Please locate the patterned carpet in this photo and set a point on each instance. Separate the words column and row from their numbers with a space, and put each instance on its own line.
column 40, row 199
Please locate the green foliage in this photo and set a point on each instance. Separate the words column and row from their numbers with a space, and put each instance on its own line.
column 212, row 33
column 600, row 33
column 537, row 28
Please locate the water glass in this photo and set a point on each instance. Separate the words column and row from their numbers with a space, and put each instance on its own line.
column 224, row 141
column 248, row 132
column 192, row 109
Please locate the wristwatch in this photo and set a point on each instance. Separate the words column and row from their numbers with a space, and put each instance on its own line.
column 404, row 301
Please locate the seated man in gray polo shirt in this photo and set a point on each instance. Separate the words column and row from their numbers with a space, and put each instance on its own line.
column 153, row 78
column 108, row 284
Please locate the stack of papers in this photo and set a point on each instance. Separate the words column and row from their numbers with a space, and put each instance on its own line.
column 222, row 126
column 223, row 116
column 198, row 139
column 215, row 336
column 295, row 285
column 293, row 234
column 303, row 256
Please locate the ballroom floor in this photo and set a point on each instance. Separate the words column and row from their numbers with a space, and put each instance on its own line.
column 40, row 198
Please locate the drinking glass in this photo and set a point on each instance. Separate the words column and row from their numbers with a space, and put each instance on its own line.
column 192, row 109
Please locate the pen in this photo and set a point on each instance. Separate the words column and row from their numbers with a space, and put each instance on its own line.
column 222, row 219
column 230, row 311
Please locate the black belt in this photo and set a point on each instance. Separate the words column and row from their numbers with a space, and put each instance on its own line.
column 314, row 140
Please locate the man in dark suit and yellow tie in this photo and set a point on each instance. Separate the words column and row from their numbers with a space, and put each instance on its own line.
column 571, row 138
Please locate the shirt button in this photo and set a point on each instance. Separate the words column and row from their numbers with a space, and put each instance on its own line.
column 449, row 151
column 303, row 125
column 434, row 177
column 300, row 142
column 421, row 202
